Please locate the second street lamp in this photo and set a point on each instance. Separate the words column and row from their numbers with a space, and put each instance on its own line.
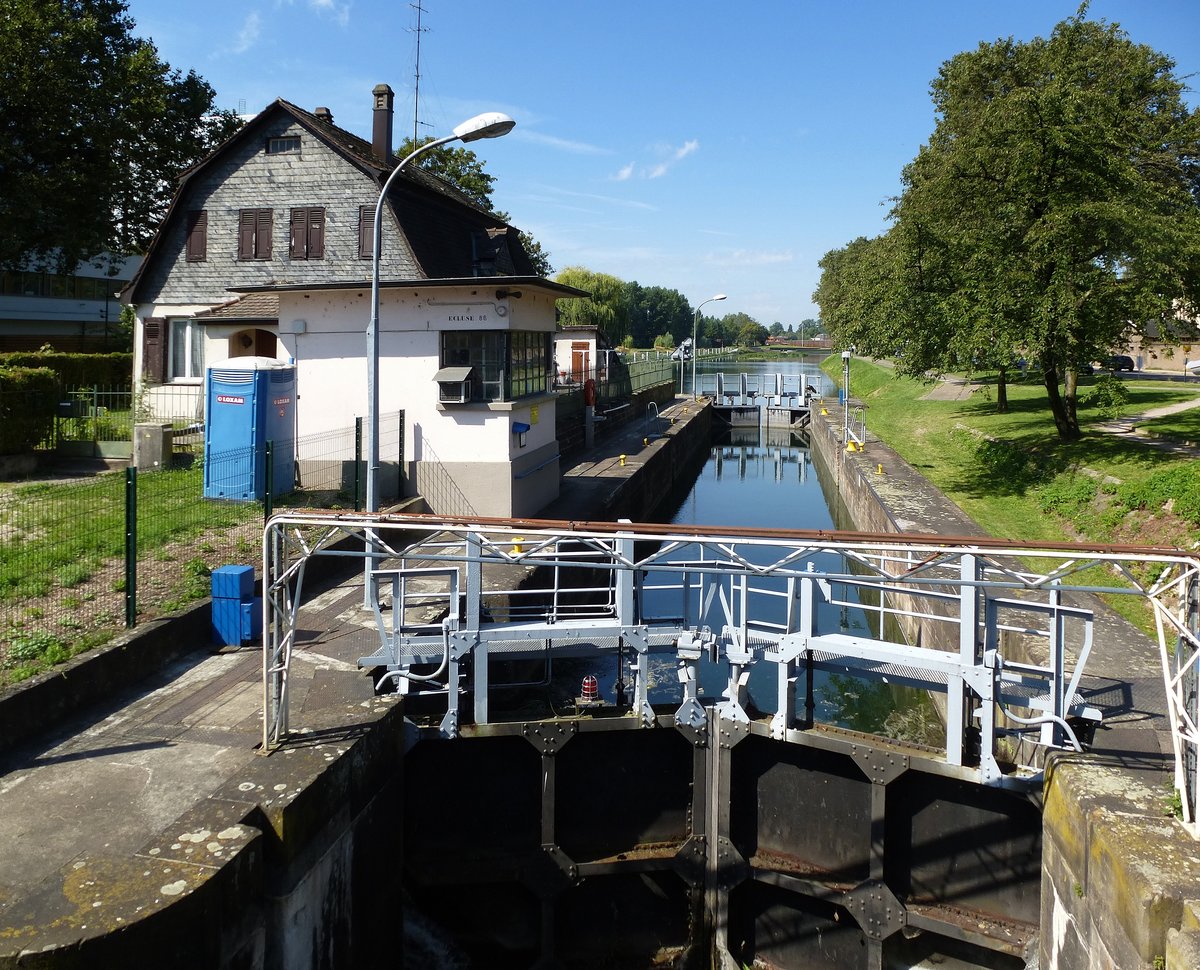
column 695, row 346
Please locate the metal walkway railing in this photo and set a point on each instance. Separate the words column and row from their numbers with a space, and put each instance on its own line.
column 1003, row 639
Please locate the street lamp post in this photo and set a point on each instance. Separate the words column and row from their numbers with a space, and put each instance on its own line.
column 695, row 346
column 491, row 124
column 846, row 355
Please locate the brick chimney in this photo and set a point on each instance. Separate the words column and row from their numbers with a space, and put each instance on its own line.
column 381, row 132
column 325, row 115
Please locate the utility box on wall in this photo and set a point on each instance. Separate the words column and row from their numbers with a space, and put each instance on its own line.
column 250, row 401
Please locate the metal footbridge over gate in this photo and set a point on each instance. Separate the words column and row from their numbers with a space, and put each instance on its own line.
column 701, row 802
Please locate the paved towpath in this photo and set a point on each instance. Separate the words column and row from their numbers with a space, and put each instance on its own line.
column 108, row 816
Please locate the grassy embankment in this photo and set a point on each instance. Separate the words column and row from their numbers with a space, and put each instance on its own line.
column 1012, row 474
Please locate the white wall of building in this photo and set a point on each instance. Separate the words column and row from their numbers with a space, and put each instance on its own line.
column 325, row 333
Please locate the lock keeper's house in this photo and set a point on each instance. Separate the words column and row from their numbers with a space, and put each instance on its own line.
column 267, row 251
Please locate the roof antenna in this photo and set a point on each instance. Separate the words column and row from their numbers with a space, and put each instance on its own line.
column 418, row 30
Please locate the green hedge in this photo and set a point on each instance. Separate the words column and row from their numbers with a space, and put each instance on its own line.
column 28, row 402
column 74, row 370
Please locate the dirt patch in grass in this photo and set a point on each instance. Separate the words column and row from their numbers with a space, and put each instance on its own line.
column 50, row 628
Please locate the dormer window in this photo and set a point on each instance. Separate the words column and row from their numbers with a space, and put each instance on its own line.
column 283, row 146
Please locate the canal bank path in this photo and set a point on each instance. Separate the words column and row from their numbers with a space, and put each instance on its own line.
column 117, row 810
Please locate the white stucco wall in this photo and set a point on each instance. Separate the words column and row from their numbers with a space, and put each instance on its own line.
column 329, row 349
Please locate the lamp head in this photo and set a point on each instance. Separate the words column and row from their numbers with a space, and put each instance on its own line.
column 490, row 124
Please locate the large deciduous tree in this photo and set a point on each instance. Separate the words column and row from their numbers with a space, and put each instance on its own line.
column 94, row 130
column 657, row 310
column 462, row 168
column 1054, row 213
column 606, row 309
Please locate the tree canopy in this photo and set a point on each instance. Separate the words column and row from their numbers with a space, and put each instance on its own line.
column 1054, row 213
column 94, row 131
column 606, row 309
column 463, row 169
column 655, row 311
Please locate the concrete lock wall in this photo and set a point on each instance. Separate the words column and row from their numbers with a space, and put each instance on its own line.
column 543, row 824
column 1120, row 878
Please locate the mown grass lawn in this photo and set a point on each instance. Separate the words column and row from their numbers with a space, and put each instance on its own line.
column 62, row 559
column 1013, row 475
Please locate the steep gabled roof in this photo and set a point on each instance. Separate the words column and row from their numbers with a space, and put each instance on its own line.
column 448, row 234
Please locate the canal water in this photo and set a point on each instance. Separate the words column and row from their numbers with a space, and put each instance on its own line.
column 752, row 478
column 760, row 477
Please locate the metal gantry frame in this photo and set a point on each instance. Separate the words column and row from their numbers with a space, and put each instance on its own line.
column 1004, row 638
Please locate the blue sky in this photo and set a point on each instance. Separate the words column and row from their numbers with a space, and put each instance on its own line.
column 703, row 146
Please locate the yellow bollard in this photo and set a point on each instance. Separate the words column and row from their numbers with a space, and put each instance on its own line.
column 824, row 411
column 622, row 461
column 879, row 469
column 517, row 545
column 850, row 446
column 645, row 442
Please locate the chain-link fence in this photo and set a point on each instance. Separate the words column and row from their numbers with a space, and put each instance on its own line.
column 81, row 559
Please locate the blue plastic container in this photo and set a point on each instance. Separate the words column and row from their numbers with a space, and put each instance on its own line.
column 233, row 582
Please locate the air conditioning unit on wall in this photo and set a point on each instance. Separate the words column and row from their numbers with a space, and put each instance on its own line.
column 454, row 392
column 454, row 385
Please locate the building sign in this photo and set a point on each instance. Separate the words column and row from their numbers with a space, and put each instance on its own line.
column 469, row 318
column 533, row 414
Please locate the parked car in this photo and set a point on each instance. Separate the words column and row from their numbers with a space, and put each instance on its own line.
column 1118, row 362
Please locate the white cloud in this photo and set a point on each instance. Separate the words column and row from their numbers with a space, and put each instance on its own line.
column 752, row 257
column 562, row 144
column 339, row 11
column 247, row 37
column 606, row 199
column 684, row 150
column 659, row 169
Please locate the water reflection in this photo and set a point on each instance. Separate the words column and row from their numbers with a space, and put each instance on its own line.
column 763, row 477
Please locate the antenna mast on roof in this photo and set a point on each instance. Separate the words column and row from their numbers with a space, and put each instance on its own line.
column 418, row 30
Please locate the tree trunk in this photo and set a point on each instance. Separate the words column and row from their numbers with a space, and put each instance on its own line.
column 1002, row 392
column 1063, row 409
column 1071, row 396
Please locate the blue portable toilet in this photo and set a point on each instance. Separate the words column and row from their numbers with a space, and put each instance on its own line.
column 250, row 401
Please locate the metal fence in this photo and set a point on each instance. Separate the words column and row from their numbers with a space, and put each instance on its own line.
column 81, row 559
column 96, row 421
column 614, row 386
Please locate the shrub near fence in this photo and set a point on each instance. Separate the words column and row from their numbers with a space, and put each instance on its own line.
column 28, row 398
column 75, row 370
column 81, row 560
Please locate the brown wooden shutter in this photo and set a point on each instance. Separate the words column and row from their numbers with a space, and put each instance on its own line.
column 154, row 349
column 246, row 223
column 366, row 231
column 308, row 233
column 197, row 236
column 299, row 227
column 262, row 242
column 316, row 233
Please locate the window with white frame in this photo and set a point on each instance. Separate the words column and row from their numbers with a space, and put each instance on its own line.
column 186, row 351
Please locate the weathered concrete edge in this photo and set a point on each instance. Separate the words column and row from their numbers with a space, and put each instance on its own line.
column 1119, row 875
column 34, row 706
column 293, row 832
column 312, row 820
